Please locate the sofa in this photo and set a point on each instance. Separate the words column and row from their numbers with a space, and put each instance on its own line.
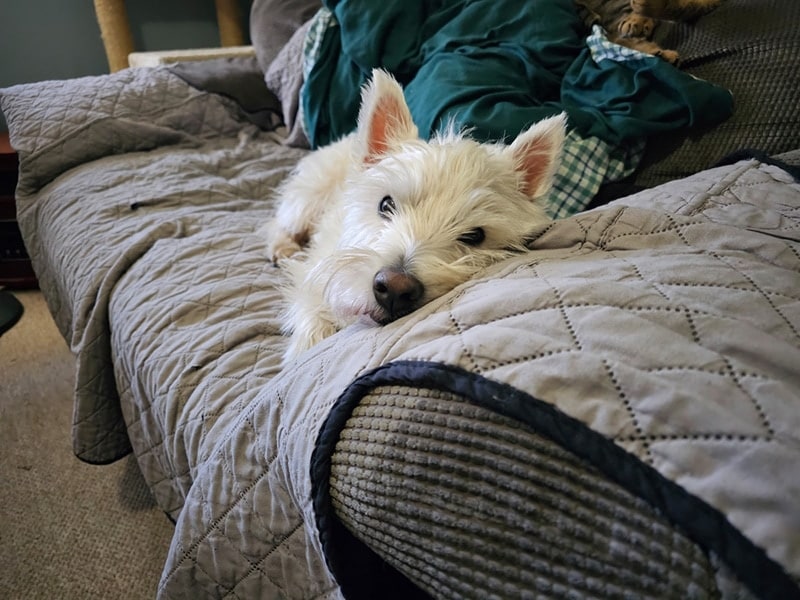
column 614, row 413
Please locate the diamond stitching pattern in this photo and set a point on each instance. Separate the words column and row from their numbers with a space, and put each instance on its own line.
column 56, row 125
column 173, row 280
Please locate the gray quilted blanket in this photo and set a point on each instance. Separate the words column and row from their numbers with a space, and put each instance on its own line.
column 666, row 323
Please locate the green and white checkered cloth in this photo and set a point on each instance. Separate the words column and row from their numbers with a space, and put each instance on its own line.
column 587, row 162
column 312, row 44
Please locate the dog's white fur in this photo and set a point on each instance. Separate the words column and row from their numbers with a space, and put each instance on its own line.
column 334, row 230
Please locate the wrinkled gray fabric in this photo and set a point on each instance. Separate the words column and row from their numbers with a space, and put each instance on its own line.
column 170, row 158
column 668, row 322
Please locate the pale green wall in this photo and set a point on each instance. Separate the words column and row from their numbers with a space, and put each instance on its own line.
column 59, row 39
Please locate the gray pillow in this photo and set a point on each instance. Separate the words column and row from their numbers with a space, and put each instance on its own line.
column 237, row 78
column 273, row 22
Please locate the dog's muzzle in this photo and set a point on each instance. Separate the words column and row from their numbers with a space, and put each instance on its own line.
column 397, row 291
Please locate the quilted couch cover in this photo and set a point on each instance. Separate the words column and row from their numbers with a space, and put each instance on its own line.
column 653, row 342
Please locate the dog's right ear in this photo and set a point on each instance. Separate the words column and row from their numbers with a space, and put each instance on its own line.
column 536, row 153
column 384, row 119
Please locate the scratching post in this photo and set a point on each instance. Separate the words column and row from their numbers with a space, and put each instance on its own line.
column 229, row 21
column 118, row 40
column 115, row 31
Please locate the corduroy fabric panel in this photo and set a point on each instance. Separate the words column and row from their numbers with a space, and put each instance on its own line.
column 583, row 534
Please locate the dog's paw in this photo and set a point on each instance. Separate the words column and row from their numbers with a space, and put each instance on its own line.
column 282, row 246
column 636, row 26
column 281, row 243
column 306, row 335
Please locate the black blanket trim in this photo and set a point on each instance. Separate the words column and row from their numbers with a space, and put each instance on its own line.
column 749, row 153
column 363, row 574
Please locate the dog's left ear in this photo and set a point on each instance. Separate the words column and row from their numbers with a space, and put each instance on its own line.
column 384, row 119
column 536, row 154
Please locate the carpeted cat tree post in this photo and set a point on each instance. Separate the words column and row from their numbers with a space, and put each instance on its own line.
column 118, row 40
column 115, row 31
column 229, row 21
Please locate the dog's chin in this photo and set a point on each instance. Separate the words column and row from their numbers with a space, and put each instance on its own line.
column 371, row 314
column 369, row 320
column 379, row 316
column 382, row 317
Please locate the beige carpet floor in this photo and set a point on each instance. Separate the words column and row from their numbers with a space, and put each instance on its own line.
column 68, row 530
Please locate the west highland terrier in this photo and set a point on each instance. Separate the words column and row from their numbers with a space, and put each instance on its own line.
column 381, row 222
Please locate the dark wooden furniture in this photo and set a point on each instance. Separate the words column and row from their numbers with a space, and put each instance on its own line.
column 15, row 266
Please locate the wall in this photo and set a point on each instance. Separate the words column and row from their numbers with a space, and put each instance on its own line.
column 60, row 39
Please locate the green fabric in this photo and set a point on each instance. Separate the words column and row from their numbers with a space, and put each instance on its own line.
column 496, row 66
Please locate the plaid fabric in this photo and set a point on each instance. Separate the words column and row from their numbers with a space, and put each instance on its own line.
column 587, row 162
column 312, row 44
column 312, row 47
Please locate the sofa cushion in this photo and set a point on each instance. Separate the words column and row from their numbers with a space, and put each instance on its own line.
column 751, row 47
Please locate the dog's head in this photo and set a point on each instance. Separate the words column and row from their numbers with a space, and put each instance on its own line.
column 422, row 217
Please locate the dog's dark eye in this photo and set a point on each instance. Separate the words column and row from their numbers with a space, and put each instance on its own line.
column 386, row 207
column 474, row 237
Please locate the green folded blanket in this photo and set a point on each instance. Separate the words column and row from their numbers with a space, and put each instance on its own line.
column 496, row 67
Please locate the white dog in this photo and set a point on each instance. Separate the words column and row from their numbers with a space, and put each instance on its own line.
column 381, row 222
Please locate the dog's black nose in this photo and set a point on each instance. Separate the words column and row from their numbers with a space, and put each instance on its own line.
column 397, row 291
